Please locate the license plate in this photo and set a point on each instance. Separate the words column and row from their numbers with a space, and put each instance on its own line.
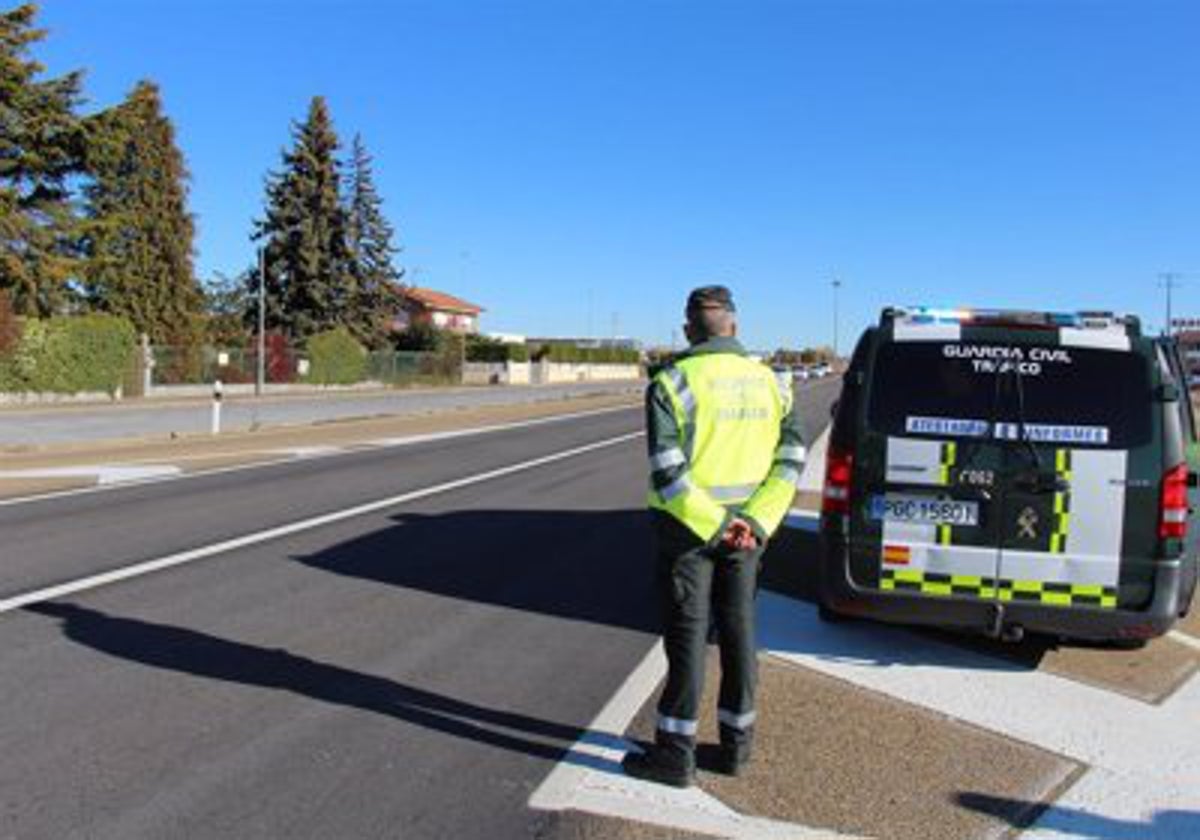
column 895, row 507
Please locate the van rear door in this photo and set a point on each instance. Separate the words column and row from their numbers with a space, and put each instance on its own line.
column 931, row 475
column 1080, row 497
column 1009, row 461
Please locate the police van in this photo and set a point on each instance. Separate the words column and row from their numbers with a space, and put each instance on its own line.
column 1010, row 472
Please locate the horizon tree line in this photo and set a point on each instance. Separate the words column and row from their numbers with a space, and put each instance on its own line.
column 94, row 215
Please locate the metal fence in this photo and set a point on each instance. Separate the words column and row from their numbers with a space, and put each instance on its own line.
column 286, row 364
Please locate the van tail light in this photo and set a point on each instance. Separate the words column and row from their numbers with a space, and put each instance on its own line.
column 1172, row 523
column 839, row 467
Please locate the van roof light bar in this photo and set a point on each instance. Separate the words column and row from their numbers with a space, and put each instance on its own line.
column 1089, row 319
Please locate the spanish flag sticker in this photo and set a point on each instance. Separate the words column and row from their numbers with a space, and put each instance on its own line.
column 897, row 555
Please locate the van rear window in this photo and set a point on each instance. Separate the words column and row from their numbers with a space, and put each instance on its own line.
column 1064, row 395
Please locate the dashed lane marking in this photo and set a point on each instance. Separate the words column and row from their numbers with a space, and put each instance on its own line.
column 105, row 474
column 179, row 559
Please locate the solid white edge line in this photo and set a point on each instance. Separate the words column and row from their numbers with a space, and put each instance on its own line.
column 575, row 783
column 1185, row 639
column 803, row 520
column 408, row 441
column 557, row 791
column 178, row 559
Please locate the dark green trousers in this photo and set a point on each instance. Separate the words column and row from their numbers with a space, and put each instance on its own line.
column 703, row 588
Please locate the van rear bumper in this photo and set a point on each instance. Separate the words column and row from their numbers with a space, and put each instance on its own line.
column 996, row 618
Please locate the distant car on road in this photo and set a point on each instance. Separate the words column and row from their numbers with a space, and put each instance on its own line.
column 1011, row 471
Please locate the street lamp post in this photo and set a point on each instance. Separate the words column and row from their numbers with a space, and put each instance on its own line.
column 837, row 284
column 1169, row 280
column 261, row 372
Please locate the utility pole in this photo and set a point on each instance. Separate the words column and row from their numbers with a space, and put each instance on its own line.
column 260, row 375
column 1169, row 280
column 837, row 284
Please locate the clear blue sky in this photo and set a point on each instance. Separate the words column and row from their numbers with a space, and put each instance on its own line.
column 567, row 164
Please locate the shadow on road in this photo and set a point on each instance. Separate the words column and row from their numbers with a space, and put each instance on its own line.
column 595, row 566
column 1075, row 823
column 191, row 652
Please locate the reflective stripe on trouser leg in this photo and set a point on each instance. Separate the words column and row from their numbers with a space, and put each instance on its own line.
column 677, row 726
column 733, row 720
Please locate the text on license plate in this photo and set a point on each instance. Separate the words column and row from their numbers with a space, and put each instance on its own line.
column 895, row 507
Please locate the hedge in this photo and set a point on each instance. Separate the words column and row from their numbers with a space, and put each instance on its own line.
column 483, row 349
column 336, row 358
column 570, row 354
column 70, row 354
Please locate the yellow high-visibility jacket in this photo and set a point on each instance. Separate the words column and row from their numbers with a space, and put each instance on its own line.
column 724, row 441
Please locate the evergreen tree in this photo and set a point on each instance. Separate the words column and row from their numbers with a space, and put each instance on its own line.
column 139, row 232
column 41, row 147
column 369, row 236
column 309, row 286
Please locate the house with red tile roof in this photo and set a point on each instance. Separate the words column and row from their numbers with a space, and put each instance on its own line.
column 438, row 309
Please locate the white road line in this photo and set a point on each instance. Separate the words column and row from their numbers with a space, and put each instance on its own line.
column 433, row 437
column 144, row 568
column 803, row 520
column 1143, row 760
column 590, row 778
column 479, row 430
column 1184, row 639
column 105, row 474
column 307, row 451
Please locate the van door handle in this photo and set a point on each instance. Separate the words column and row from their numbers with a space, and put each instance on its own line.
column 1041, row 483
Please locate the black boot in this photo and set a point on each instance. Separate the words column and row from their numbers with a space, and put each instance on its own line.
column 737, row 747
column 665, row 762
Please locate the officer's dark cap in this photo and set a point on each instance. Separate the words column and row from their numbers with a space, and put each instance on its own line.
column 711, row 297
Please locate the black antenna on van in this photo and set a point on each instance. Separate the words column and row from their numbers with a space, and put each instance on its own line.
column 1022, row 430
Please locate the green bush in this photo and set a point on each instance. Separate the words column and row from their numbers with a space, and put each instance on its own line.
column 483, row 349
column 571, row 354
column 419, row 338
column 73, row 354
column 336, row 358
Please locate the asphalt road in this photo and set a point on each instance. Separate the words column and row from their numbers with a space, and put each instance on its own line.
column 414, row 672
column 144, row 418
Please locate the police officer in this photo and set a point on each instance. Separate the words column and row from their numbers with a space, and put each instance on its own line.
column 725, row 458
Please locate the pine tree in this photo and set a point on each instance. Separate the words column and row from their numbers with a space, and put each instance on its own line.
column 308, row 282
column 139, row 233
column 369, row 236
column 41, row 147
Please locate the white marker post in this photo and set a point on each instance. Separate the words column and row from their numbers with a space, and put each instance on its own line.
column 218, row 390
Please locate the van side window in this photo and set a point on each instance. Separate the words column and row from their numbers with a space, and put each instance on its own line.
column 1173, row 370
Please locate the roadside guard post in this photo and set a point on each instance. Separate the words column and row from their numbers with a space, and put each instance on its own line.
column 218, row 393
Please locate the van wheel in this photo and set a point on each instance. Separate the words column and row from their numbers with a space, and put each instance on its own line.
column 1127, row 644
